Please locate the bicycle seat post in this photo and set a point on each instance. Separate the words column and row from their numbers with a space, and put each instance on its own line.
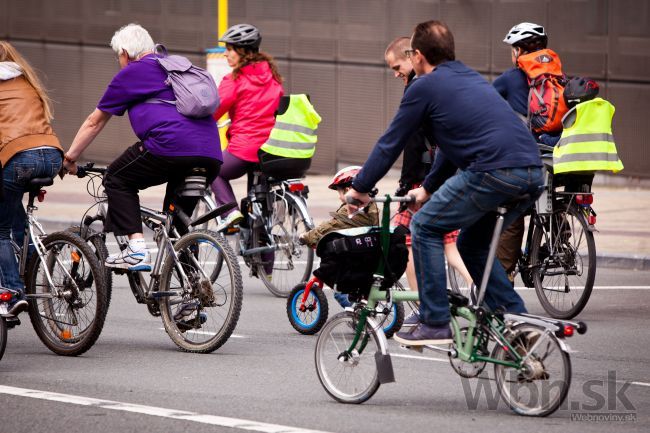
column 496, row 235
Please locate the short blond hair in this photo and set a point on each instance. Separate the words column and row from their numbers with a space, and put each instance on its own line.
column 398, row 46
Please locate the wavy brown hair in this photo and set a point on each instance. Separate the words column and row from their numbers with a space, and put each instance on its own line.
column 9, row 54
column 248, row 57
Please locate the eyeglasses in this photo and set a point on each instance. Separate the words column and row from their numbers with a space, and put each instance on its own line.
column 409, row 53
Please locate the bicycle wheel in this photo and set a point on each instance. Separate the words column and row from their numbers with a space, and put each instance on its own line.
column 68, row 315
column 563, row 258
column 3, row 336
column 97, row 243
column 540, row 386
column 201, row 315
column 347, row 377
column 291, row 262
column 309, row 319
column 460, row 285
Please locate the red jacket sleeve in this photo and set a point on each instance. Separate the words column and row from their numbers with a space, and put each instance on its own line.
column 227, row 96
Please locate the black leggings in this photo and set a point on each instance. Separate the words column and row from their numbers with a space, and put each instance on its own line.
column 137, row 169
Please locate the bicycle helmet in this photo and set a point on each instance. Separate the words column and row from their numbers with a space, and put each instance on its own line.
column 344, row 177
column 528, row 36
column 242, row 35
column 580, row 89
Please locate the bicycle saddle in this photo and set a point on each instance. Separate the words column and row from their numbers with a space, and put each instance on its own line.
column 40, row 182
column 195, row 184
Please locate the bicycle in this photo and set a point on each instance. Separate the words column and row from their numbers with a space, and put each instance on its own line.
column 64, row 284
column 275, row 214
column 559, row 257
column 195, row 283
column 352, row 358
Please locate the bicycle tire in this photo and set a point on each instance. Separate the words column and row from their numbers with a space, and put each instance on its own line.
column 98, row 244
column 552, row 374
column 58, row 318
column 310, row 321
column 292, row 262
column 563, row 295
column 335, row 370
column 393, row 321
column 3, row 336
column 206, row 247
column 458, row 285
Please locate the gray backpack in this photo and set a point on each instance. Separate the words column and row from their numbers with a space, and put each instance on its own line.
column 194, row 89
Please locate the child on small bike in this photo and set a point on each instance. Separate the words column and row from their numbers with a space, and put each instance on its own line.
column 369, row 216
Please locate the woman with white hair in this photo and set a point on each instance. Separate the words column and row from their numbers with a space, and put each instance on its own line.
column 170, row 145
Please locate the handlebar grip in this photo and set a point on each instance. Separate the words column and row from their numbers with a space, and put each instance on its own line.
column 81, row 172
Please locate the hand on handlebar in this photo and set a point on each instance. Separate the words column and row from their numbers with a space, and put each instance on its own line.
column 420, row 195
column 67, row 167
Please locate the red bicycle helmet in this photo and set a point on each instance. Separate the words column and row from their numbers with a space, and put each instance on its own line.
column 344, row 177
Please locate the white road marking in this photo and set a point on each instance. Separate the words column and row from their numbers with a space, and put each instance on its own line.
column 599, row 288
column 423, row 358
column 182, row 415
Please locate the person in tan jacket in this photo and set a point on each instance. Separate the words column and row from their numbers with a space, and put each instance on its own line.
column 341, row 219
column 28, row 149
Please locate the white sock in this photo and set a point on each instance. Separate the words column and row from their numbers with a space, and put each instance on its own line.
column 137, row 244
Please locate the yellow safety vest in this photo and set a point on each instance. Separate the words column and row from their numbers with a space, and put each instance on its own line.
column 294, row 133
column 588, row 143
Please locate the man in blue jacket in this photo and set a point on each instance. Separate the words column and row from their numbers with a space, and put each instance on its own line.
column 477, row 132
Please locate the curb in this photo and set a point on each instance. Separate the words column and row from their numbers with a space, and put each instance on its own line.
column 623, row 261
column 603, row 260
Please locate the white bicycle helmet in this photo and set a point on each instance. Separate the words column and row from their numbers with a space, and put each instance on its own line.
column 525, row 32
column 242, row 35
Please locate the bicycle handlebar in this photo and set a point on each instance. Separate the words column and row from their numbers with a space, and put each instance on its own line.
column 382, row 199
column 83, row 170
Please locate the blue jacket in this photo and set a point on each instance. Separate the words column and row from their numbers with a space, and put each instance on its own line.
column 513, row 86
column 474, row 127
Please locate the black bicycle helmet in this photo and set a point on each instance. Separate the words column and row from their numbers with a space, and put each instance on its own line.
column 242, row 35
column 580, row 89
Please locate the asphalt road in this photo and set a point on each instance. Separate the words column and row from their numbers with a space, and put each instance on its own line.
column 264, row 379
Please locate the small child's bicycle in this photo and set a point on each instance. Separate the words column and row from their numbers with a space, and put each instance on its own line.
column 308, row 308
column 531, row 360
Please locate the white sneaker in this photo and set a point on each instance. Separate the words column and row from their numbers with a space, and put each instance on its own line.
column 130, row 260
column 233, row 218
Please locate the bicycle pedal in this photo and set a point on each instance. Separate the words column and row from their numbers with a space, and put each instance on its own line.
column 418, row 349
column 12, row 322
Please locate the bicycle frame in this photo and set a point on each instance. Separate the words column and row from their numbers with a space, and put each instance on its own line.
column 479, row 320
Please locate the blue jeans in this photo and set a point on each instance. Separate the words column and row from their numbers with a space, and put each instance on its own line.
column 468, row 201
column 20, row 169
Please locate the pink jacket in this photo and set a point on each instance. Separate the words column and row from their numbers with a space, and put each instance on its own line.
column 251, row 101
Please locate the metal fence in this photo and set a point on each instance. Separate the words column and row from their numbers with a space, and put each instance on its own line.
column 333, row 50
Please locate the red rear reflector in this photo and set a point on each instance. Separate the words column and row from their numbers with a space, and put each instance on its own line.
column 41, row 195
column 591, row 220
column 293, row 187
column 5, row 297
column 568, row 330
column 584, row 199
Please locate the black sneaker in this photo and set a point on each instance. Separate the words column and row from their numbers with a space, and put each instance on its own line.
column 424, row 335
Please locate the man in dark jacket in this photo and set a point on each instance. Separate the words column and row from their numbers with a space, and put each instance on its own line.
column 498, row 162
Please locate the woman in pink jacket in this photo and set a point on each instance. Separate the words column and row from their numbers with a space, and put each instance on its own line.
column 250, row 95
